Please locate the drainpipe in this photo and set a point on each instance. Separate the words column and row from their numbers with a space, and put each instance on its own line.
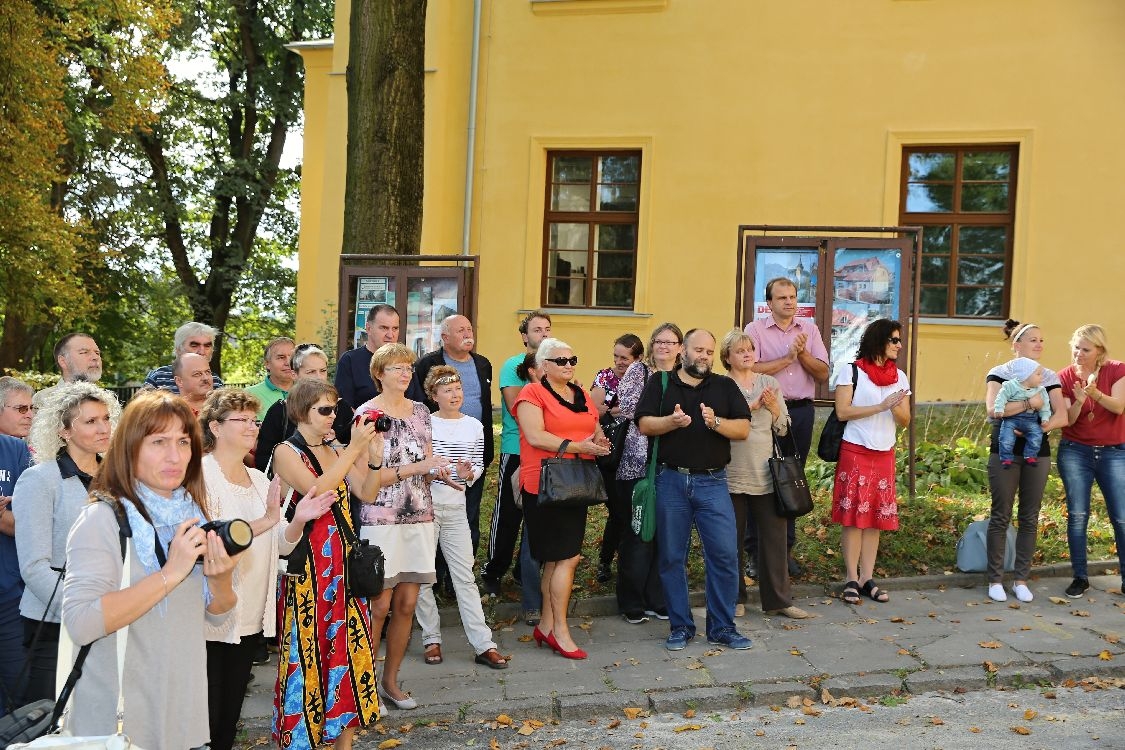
column 472, row 130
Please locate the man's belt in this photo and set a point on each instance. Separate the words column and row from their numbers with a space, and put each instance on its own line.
column 791, row 402
column 683, row 470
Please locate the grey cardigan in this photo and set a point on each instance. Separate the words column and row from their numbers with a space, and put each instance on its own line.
column 45, row 506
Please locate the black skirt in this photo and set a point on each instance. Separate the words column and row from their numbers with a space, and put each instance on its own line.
column 554, row 533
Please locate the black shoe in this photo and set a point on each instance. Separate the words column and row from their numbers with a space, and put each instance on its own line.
column 261, row 655
column 604, row 573
column 751, row 568
column 491, row 587
column 635, row 617
column 795, row 568
column 1077, row 587
column 660, row 613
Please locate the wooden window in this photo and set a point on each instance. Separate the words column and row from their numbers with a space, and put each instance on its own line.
column 964, row 198
column 590, row 229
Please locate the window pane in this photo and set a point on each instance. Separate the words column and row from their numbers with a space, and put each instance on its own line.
column 566, row 264
column 569, row 237
column 980, row 269
column 985, row 198
column 613, row 293
column 570, row 197
column 614, row 265
column 616, row 236
column 617, row 197
column 937, row 239
column 932, row 166
column 619, row 169
column 928, row 198
column 986, row 165
column 567, row 291
column 980, row 240
column 979, row 302
column 935, row 269
column 573, row 169
column 934, row 300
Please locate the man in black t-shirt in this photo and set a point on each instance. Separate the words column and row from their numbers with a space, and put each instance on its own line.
column 702, row 412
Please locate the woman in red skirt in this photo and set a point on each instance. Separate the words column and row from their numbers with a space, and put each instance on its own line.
column 863, row 495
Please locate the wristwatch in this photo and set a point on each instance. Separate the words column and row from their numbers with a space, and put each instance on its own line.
column 373, row 467
column 718, row 421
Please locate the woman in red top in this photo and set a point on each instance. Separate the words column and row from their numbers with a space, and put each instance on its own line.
column 551, row 412
column 1093, row 445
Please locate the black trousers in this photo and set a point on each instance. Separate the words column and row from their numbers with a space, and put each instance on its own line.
column 228, row 674
column 638, row 573
column 617, row 521
column 43, row 657
column 507, row 520
column 801, row 428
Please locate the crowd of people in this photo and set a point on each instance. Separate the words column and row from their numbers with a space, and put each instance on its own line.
column 104, row 511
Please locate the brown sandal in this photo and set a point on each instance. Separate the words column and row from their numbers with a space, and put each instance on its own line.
column 492, row 659
column 433, row 654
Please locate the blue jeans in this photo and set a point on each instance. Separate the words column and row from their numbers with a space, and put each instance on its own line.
column 1026, row 422
column 1080, row 466
column 702, row 499
column 531, row 595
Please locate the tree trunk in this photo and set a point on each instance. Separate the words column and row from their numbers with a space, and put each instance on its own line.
column 386, row 128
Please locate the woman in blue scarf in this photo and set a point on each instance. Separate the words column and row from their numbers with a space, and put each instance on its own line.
column 179, row 590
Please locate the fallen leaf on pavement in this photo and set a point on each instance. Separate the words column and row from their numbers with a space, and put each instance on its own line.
column 990, row 667
column 1030, row 714
column 556, row 743
column 903, row 652
column 524, row 639
column 760, row 733
column 388, row 744
column 1105, row 656
column 793, row 701
column 687, row 728
column 494, row 744
column 994, row 619
column 825, row 696
column 798, row 721
column 526, row 730
column 689, row 714
column 1021, row 730
column 1079, row 613
column 897, row 619
column 632, row 713
column 1057, row 600
column 795, row 651
column 613, row 724
column 586, row 625
column 713, row 652
column 809, row 711
column 504, row 719
column 974, row 730
column 695, row 665
column 937, row 722
column 1111, row 638
column 989, row 644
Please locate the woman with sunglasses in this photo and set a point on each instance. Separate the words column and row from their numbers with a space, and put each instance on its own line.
column 308, row 361
column 555, row 414
column 229, row 418
column 401, row 522
column 70, row 433
column 327, row 650
column 863, row 494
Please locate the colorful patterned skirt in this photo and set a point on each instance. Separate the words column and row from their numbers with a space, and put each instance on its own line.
column 863, row 494
column 326, row 671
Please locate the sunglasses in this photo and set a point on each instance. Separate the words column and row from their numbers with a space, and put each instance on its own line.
column 563, row 361
column 22, row 408
column 324, row 411
column 895, row 340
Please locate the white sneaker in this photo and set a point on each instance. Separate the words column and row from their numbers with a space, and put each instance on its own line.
column 1022, row 592
column 996, row 592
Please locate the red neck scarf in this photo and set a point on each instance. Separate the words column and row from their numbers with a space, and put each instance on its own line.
column 884, row 374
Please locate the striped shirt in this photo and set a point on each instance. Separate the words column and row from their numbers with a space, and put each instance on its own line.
column 163, row 378
column 458, row 440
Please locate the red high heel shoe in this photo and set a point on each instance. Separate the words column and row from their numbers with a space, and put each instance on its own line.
column 577, row 653
column 540, row 639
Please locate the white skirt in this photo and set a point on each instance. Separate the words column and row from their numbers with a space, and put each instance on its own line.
column 409, row 551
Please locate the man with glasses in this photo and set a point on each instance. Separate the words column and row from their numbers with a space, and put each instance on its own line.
column 16, row 409
column 789, row 348
column 190, row 338
column 14, row 458
column 279, row 375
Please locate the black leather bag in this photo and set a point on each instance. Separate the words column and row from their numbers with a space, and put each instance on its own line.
column 792, row 497
column 828, row 447
column 570, row 482
column 615, row 429
column 366, row 564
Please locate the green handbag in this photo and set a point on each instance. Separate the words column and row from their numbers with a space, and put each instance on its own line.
column 644, row 492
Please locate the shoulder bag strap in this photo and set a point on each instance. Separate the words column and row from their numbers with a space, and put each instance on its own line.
column 659, row 413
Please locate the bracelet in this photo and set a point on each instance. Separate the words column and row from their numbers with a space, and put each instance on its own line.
column 398, row 476
column 373, row 467
column 161, row 572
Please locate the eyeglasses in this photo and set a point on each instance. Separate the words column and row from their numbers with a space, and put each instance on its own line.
column 563, row 361
column 399, row 368
column 21, row 408
column 324, row 411
column 256, row 423
column 895, row 340
column 662, row 342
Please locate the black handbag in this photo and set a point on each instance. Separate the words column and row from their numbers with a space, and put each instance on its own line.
column 570, row 482
column 792, row 497
column 366, row 564
column 828, row 447
column 615, row 429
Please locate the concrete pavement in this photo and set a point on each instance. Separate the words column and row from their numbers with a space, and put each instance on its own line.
column 936, row 633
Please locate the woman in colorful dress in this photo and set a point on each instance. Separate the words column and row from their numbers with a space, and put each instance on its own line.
column 863, row 495
column 326, row 671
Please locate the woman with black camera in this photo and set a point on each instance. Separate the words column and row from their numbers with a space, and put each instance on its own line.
column 229, row 419
column 326, row 675
column 151, row 483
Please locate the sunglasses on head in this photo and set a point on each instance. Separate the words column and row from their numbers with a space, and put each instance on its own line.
column 895, row 340
column 324, row 411
column 563, row 361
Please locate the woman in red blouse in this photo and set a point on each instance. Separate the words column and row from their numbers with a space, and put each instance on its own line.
column 552, row 412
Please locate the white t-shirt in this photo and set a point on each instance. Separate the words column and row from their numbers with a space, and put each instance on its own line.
column 458, row 440
column 876, row 432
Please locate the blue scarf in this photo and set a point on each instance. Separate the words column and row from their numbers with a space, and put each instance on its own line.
column 167, row 514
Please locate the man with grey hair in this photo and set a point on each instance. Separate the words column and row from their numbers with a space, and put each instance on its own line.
column 16, row 409
column 190, row 338
column 279, row 375
column 78, row 358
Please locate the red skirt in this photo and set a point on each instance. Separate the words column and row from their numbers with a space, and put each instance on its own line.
column 863, row 494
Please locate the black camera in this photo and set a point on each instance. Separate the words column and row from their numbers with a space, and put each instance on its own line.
column 376, row 417
column 235, row 534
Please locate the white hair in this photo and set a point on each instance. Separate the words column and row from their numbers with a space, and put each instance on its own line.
column 8, row 384
column 58, row 411
column 187, row 330
column 547, row 349
column 303, row 352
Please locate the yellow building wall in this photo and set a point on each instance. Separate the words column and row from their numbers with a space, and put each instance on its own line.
column 755, row 112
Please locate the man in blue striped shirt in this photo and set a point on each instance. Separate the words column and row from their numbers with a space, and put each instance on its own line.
column 190, row 338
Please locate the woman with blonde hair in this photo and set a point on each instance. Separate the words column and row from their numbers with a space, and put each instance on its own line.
column 69, row 434
column 1092, row 448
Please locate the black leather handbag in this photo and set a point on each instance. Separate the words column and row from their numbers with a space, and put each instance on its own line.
column 615, row 429
column 366, row 564
column 570, row 482
column 792, row 497
column 828, row 447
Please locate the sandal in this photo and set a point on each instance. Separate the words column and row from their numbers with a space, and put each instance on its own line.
column 875, row 593
column 433, row 654
column 492, row 659
column 851, row 592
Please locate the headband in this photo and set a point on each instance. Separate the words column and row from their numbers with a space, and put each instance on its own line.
column 1022, row 330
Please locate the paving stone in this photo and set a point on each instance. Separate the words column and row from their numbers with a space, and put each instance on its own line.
column 777, row 693
column 1086, row 666
column 1024, row 676
column 862, row 686
column 928, row 680
column 607, row 703
column 540, row 707
column 703, row 700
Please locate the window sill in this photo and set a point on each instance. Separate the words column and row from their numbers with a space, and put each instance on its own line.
column 588, row 311
column 595, row 7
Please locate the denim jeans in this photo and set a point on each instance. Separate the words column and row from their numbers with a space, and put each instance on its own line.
column 531, row 594
column 702, row 499
column 1080, row 466
column 1026, row 422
